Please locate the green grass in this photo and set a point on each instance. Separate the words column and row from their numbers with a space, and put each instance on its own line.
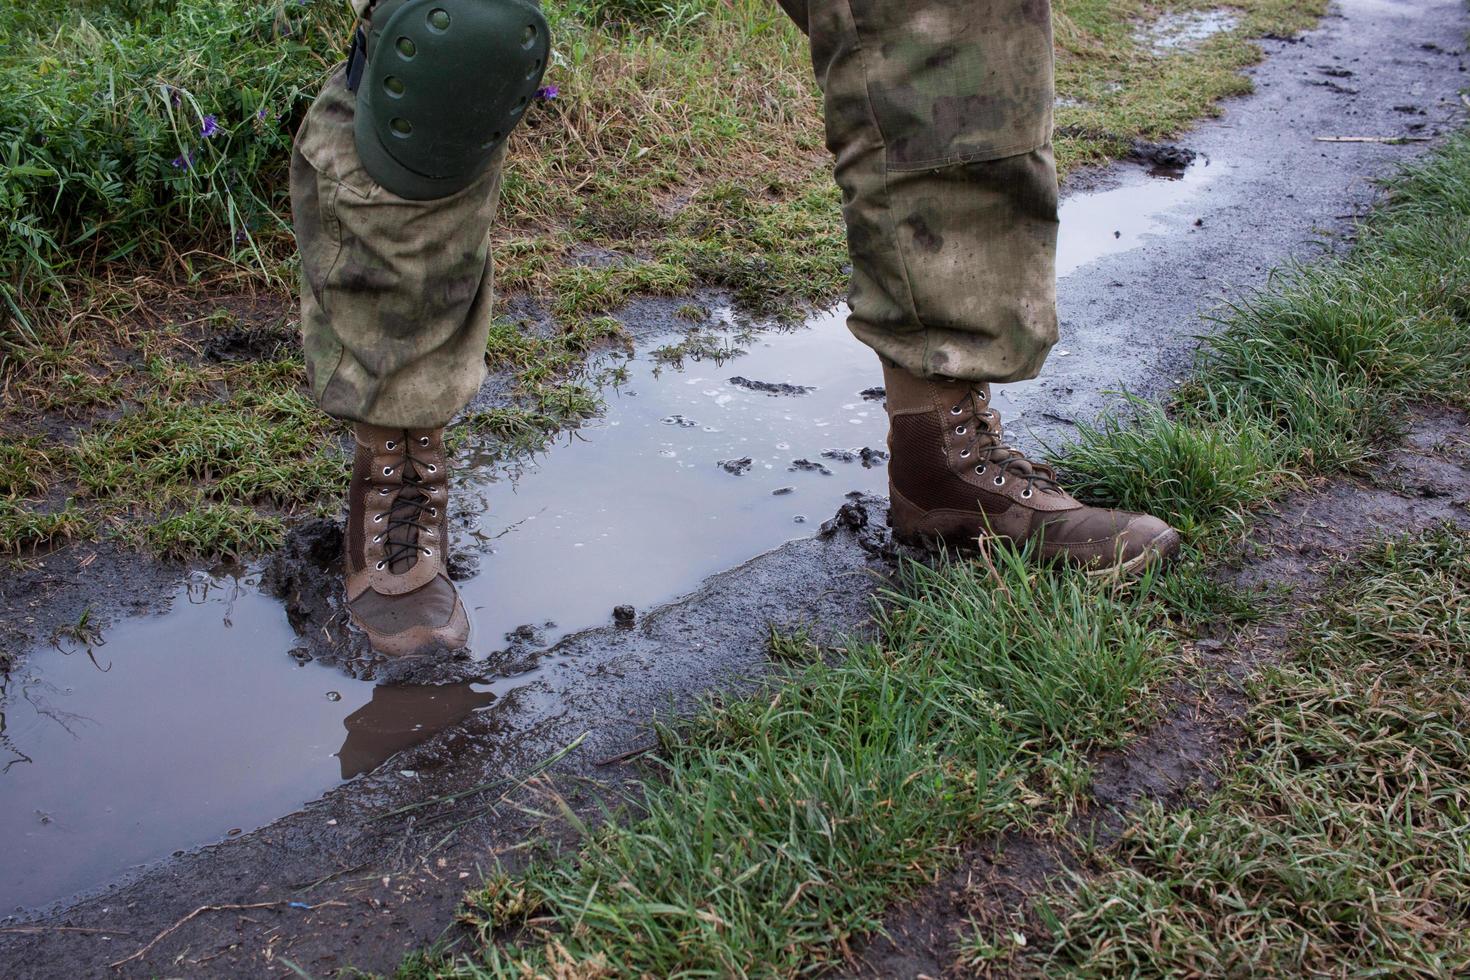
column 104, row 109
column 25, row 466
column 780, row 826
column 268, row 451
column 23, row 529
column 1310, row 376
column 1340, row 842
column 214, row 529
column 1203, row 471
column 181, row 474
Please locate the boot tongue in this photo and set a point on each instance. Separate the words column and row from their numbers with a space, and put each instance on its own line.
column 403, row 538
column 990, row 439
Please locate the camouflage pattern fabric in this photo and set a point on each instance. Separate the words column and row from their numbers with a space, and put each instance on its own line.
column 938, row 114
column 395, row 294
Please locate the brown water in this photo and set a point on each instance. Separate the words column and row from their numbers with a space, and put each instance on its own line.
column 184, row 728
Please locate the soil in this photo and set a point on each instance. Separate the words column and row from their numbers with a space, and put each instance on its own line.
column 374, row 869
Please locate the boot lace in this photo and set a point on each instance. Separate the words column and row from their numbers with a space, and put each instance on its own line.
column 412, row 507
column 987, row 444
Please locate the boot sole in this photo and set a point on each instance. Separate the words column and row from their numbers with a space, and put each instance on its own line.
column 1159, row 550
column 420, row 641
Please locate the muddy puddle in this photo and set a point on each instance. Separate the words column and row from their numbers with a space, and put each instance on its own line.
column 1185, row 30
column 181, row 729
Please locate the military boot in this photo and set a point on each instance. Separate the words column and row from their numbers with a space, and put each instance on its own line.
column 398, row 587
column 953, row 479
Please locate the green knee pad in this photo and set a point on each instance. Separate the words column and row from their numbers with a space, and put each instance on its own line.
column 445, row 83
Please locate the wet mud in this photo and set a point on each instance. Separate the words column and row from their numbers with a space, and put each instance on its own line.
column 377, row 863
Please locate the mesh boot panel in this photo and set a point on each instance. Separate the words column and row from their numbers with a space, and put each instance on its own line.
column 919, row 471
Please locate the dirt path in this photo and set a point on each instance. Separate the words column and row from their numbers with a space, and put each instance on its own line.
column 372, row 884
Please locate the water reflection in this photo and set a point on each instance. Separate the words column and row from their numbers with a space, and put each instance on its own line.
column 398, row 718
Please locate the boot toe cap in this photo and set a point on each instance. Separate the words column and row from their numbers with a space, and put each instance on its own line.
column 1146, row 539
column 412, row 624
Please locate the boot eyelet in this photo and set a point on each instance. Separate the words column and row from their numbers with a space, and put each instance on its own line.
column 964, row 454
column 957, row 410
column 377, row 518
column 1026, row 494
column 980, row 470
column 433, row 468
column 387, row 471
column 377, row 538
column 430, row 533
column 959, row 430
column 383, row 491
column 423, row 440
column 428, row 552
column 391, row 445
column 1000, row 481
column 381, row 565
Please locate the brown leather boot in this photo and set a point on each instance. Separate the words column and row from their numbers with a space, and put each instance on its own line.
column 398, row 587
column 953, row 479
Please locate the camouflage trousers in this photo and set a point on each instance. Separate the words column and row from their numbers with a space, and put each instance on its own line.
column 938, row 115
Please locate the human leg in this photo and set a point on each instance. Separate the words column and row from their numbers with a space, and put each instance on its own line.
column 396, row 307
column 938, row 114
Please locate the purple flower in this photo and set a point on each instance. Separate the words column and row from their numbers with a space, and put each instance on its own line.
column 262, row 113
column 209, row 128
column 548, row 93
column 182, row 162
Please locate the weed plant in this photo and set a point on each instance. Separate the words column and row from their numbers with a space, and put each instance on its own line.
column 146, row 128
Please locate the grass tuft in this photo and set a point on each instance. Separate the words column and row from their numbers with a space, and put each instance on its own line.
column 24, row 529
column 214, row 531
column 783, row 824
column 1311, row 375
column 1340, row 842
column 273, row 450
